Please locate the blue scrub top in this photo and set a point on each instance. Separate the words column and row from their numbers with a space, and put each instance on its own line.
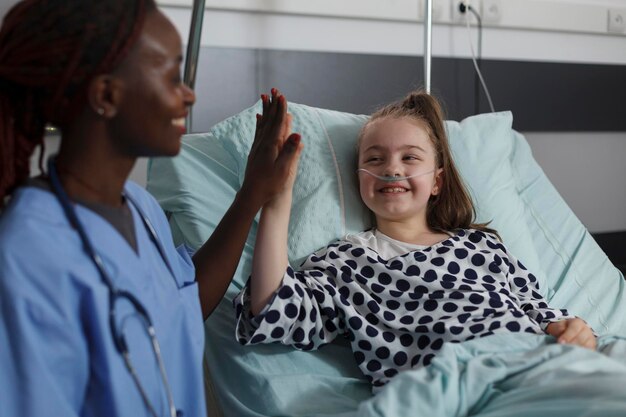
column 57, row 356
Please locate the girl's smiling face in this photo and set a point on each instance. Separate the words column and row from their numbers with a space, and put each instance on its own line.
column 398, row 147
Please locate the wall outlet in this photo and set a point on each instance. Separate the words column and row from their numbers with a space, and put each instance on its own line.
column 491, row 11
column 455, row 13
column 617, row 21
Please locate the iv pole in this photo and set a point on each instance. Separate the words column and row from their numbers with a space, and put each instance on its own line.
column 193, row 50
column 428, row 29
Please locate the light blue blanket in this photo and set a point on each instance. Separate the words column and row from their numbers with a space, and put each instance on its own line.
column 510, row 375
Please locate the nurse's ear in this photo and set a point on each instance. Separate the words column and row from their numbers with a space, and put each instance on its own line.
column 105, row 94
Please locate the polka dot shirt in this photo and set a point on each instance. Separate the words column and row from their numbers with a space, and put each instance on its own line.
column 399, row 312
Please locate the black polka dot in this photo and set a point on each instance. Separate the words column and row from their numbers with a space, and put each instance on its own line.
column 384, row 278
column 389, row 316
column 285, row 293
column 278, row 332
column 357, row 252
column 476, row 299
column 358, row 298
column 416, row 359
column 407, row 320
column 291, row 310
column 258, row 338
column 439, row 327
column 423, row 341
column 389, row 373
column 413, row 271
column 406, row 340
column 430, row 276
column 412, row 305
column 359, row 357
column 437, row 344
column 371, row 331
column 456, row 330
column 477, row 328
column 400, row 358
column 450, row 307
column 367, row 271
column 425, row 319
column 454, row 268
column 460, row 253
column 365, row 345
column 373, row 365
column 389, row 337
column 355, row 322
column 419, row 257
column 403, row 285
column 493, row 267
column 513, row 326
column 438, row 261
column 298, row 335
column 392, row 304
column 372, row 319
column 396, row 265
column 377, row 288
column 383, row 352
column 478, row 259
column 431, row 305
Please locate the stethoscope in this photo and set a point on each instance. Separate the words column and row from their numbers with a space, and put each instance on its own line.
column 116, row 294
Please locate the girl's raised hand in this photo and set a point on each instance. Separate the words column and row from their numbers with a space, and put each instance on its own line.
column 273, row 158
column 573, row 331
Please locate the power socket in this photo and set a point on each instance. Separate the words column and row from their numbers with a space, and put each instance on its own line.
column 617, row 21
column 491, row 11
column 455, row 13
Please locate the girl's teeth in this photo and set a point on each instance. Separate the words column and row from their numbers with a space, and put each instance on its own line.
column 394, row 190
column 179, row 122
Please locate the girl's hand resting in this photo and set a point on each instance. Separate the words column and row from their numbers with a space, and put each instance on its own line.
column 573, row 331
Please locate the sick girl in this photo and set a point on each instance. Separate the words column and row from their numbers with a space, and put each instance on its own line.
column 427, row 274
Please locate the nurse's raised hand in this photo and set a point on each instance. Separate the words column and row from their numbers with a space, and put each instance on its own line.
column 271, row 170
column 273, row 157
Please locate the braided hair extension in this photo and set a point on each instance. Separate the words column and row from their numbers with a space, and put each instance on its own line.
column 49, row 51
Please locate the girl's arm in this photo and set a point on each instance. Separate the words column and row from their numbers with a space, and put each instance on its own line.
column 270, row 165
column 269, row 261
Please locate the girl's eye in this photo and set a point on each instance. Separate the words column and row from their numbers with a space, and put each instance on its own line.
column 373, row 159
column 411, row 158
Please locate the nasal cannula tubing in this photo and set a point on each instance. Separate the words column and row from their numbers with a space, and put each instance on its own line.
column 388, row 178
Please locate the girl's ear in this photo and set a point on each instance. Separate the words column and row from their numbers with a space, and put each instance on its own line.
column 104, row 95
column 438, row 181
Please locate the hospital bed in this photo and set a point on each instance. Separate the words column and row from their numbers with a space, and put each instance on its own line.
column 508, row 186
column 506, row 183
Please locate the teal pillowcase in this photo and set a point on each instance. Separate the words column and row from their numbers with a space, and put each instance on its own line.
column 508, row 187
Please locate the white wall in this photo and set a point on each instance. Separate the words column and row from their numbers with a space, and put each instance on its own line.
column 586, row 168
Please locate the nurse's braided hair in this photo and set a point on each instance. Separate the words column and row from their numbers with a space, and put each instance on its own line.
column 49, row 51
column 452, row 208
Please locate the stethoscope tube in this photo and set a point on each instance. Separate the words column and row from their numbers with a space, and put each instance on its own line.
column 116, row 293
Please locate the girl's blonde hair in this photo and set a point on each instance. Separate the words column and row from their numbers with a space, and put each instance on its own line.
column 452, row 208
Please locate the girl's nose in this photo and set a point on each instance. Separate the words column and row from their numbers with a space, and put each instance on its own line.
column 391, row 170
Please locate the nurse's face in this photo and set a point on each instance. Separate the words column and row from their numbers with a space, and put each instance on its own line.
column 154, row 102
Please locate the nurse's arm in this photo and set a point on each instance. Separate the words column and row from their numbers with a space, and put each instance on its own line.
column 268, row 169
